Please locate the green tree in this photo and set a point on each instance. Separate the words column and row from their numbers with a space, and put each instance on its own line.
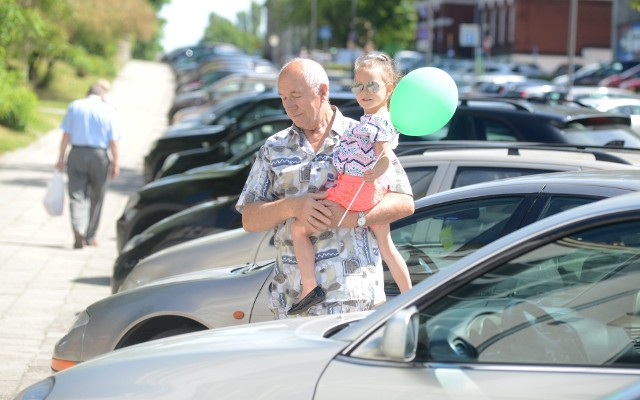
column 147, row 49
column 387, row 25
column 222, row 30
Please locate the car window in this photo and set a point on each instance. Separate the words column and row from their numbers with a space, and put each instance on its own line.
column 233, row 86
column 573, row 301
column 420, row 179
column 491, row 129
column 226, row 114
column 252, row 136
column 261, row 110
column 556, row 204
column 471, row 175
column 435, row 238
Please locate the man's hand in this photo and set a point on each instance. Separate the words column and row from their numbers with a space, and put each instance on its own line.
column 115, row 171
column 337, row 212
column 312, row 211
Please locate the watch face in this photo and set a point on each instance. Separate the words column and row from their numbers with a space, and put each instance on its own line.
column 361, row 220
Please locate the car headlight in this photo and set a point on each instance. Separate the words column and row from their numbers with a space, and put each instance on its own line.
column 37, row 391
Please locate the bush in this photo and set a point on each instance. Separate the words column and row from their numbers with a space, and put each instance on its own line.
column 88, row 64
column 18, row 104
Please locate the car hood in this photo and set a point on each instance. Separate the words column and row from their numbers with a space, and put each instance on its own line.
column 214, row 273
column 192, row 131
column 202, row 364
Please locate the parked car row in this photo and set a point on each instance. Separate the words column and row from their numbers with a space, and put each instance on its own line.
column 523, row 252
column 434, row 170
column 547, row 310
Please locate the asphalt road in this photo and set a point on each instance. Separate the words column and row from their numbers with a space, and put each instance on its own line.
column 44, row 283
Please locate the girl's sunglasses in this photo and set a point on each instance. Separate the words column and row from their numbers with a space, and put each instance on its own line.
column 372, row 86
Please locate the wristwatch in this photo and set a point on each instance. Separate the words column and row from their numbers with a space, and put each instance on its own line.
column 362, row 221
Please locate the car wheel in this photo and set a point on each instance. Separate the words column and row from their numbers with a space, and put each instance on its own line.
column 174, row 332
column 158, row 328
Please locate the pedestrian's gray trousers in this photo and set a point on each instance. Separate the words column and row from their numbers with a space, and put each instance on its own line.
column 88, row 170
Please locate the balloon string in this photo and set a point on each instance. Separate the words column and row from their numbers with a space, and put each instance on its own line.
column 358, row 192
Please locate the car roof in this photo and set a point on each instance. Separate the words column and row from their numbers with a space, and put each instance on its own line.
column 559, row 182
column 530, row 155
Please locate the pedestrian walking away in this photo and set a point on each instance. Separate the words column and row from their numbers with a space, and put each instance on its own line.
column 287, row 183
column 90, row 127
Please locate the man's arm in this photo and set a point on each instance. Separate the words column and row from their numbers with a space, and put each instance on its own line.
column 115, row 159
column 261, row 216
column 64, row 142
column 392, row 207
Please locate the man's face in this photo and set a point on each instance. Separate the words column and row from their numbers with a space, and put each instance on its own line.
column 301, row 103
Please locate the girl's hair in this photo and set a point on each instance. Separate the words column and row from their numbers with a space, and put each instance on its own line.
column 382, row 62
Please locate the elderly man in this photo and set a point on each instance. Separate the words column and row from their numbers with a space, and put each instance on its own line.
column 287, row 182
column 89, row 126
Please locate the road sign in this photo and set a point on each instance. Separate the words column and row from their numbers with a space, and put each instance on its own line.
column 325, row 32
column 469, row 35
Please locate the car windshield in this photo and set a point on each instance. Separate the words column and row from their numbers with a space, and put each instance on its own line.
column 575, row 300
column 572, row 301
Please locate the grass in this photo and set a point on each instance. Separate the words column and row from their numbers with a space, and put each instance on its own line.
column 65, row 87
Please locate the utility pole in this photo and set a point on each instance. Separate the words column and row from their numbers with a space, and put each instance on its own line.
column 573, row 21
column 314, row 26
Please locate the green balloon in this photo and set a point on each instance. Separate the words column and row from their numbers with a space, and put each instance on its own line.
column 423, row 101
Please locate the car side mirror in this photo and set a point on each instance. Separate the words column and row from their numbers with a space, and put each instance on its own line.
column 400, row 337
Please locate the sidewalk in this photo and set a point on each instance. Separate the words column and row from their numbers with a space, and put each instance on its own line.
column 44, row 283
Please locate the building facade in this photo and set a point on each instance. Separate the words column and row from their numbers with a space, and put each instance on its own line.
column 520, row 26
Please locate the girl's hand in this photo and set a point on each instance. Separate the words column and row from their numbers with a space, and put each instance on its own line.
column 369, row 176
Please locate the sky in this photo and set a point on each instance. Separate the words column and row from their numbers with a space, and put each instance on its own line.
column 187, row 19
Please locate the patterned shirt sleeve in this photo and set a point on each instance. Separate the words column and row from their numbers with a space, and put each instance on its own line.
column 385, row 131
column 259, row 184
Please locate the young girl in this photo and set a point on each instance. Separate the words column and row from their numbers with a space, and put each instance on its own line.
column 374, row 138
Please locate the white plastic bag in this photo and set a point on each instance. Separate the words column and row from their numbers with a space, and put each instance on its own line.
column 54, row 198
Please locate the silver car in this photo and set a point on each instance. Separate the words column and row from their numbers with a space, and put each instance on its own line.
column 429, row 172
column 548, row 311
column 445, row 227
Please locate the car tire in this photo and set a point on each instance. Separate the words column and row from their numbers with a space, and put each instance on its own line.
column 174, row 332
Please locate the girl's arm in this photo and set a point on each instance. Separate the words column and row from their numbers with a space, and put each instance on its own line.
column 384, row 161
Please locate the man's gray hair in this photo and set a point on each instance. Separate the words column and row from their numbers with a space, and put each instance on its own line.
column 97, row 89
column 313, row 73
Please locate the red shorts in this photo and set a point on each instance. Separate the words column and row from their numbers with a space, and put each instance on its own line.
column 347, row 186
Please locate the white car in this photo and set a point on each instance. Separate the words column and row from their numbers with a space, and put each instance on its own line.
column 626, row 106
column 550, row 311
